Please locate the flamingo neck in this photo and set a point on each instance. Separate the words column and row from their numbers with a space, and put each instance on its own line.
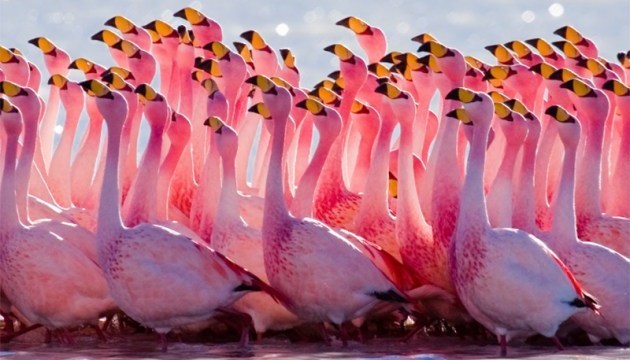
column 25, row 163
column 302, row 204
column 545, row 150
column 375, row 196
column 408, row 210
column 64, row 149
column 148, row 172
column 473, row 209
column 564, row 222
column 503, row 184
column 209, row 187
column 275, row 209
column 109, row 220
column 588, row 196
column 524, row 206
column 9, row 210
column 165, row 175
column 48, row 123
column 228, row 202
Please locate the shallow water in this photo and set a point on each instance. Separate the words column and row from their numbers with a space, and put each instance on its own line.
column 145, row 347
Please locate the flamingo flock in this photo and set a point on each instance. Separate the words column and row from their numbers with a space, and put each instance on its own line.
column 274, row 205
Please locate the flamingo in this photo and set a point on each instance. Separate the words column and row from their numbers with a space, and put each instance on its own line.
column 334, row 204
column 73, row 98
column 49, row 280
column 234, row 238
column 509, row 295
column 374, row 221
column 621, row 170
column 289, row 70
column 371, row 39
column 591, row 263
column 135, row 268
column 110, row 39
column 611, row 231
column 585, row 45
column 14, row 66
column 547, row 52
column 294, row 247
column 57, row 62
column 131, row 31
column 263, row 56
column 499, row 197
column 205, row 29
column 414, row 234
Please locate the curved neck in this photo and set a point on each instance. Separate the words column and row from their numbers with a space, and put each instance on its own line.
column 9, row 211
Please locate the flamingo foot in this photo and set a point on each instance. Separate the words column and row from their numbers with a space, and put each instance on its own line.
column 100, row 333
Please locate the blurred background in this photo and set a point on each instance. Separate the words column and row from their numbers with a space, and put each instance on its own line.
column 308, row 26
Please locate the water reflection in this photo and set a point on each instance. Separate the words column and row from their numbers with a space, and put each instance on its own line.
column 145, row 347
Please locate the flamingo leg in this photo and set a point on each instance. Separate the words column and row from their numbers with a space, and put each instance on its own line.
column 503, row 344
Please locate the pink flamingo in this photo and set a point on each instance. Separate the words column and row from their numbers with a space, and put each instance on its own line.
column 414, row 234
column 365, row 125
column 49, row 281
column 35, row 76
column 263, row 56
column 31, row 207
column 500, row 290
column 57, row 62
column 202, row 280
column 592, row 105
column 524, row 55
column 82, row 171
column 338, row 299
column 371, row 39
column 334, row 204
column 129, row 138
column 234, row 238
column 165, row 42
column 131, row 31
column 14, row 66
column 445, row 182
column 141, row 63
column 110, row 39
column 620, row 204
column 591, row 263
column 289, row 70
column 585, row 45
column 234, row 71
column 374, row 221
column 499, row 197
column 205, row 29
column 59, row 177
column 547, row 52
